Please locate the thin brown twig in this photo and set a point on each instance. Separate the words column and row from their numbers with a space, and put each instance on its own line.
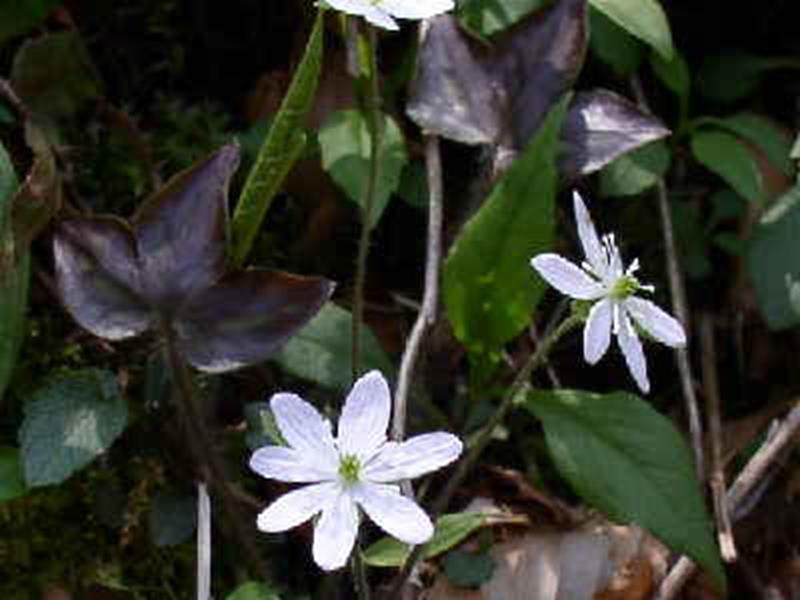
column 717, row 470
column 427, row 313
column 745, row 482
column 679, row 304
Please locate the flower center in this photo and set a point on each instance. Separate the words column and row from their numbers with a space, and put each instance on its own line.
column 349, row 468
column 625, row 286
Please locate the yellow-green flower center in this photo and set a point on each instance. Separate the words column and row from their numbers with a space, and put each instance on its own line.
column 625, row 286
column 349, row 468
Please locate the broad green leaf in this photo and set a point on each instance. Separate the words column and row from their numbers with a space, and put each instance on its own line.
column 468, row 569
column 731, row 75
column 54, row 75
column 675, row 75
column 487, row 17
column 490, row 290
column 68, row 422
column 14, row 277
column 283, row 145
column 12, row 482
column 613, row 45
column 16, row 18
column 731, row 159
column 253, row 590
column 644, row 19
column 629, row 461
column 451, row 530
column 172, row 519
column 772, row 260
column 346, row 147
column 321, row 351
column 633, row 173
column 760, row 131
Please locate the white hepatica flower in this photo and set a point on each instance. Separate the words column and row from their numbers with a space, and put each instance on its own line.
column 602, row 278
column 380, row 12
column 357, row 468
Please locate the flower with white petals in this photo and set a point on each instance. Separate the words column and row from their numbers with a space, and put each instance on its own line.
column 359, row 468
column 603, row 279
column 381, row 12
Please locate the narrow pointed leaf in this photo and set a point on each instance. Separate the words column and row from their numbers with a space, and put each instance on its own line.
column 98, row 277
column 489, row 288
column 180, row 231
column 600, row 127
column 491, row 16
column 322, row 350
column 14, row 277
column 644, row 19
column 629, row 461
column 280, row 149
column 246, row 317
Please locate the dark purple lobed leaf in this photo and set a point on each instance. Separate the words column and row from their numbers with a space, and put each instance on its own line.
column 498, row 95
column 180, row 231
column 452, row 94
column 246, row 316
column 537, row 61
column 600, row 127
column 97, row 276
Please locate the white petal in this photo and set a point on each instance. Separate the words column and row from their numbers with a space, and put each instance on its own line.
column 305, row 430
column 566, row 277
column 296, row 507
column 414, row 457
column 597, row 332
column 632, row 351
column 662, row 326
column 382, row 19
column 287, row 464
column 416, row 9
column 590, row 241
column 335, row 532
column 365, row 416
column 394, row 513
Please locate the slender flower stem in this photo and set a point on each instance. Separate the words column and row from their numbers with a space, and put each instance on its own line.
column 465, row 465
column 427, row 312
column 203, row 543
column 200, row 442
column 373, row 110
column 359, row 569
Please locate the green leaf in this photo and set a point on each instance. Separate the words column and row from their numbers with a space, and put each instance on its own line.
column 172, row 519
column 321, row 351
column 629, row 461
column 487, row 17
column 644, row 19
column 17, row 18
column 731, row 159
column 772, row 260
column 283, row 145
column 467, row 569
column 12, row 482
column 675, row 75
column 760, row 131
column 14, row 277
column 451, row 530
column 490, row 289
column 68, row 422
column 253, row 590
column 346, row 147
column 612, row 44
column 635, row 172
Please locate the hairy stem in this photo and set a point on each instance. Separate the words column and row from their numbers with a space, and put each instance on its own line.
column 201, row 445
column 372, row 107
column 427, row 312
